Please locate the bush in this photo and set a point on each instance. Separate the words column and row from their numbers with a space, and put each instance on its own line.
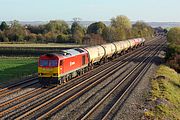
column 40, row 38
column 93, row 39
column 62, row 38
column 31, row 37
column 141, row 29
column 173, row 52
column 173, row 36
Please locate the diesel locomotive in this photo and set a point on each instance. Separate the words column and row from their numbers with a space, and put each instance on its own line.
column 58, row 68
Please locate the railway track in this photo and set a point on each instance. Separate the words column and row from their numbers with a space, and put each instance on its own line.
column 40, row 98
column 49, row 95
column 107, row 113
column 36, row 90
column 18, row 86
column 84, row 107
column 49, row 113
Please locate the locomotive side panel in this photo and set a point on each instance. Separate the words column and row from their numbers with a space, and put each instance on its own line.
column 74, row 63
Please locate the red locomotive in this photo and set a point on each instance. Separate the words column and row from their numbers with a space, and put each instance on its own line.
column 57, row 68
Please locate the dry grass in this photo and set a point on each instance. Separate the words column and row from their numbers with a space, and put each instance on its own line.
column 39, row 45
column 165, row 94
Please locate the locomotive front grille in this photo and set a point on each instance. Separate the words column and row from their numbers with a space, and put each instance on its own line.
column 48, row 80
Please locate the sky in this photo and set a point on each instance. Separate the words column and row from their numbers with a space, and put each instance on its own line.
column 90, row 10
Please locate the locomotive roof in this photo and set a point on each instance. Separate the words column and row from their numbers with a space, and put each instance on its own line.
column 68, row 52
column 72, row 52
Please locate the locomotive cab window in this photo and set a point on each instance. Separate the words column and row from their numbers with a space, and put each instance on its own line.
column 53, row 63
column 43, row 63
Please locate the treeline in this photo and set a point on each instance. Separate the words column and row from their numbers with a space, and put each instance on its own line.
column 58, row 31
column 173, row 52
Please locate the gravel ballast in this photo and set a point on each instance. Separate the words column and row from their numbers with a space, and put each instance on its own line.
column 78, row 107
column 135, row 105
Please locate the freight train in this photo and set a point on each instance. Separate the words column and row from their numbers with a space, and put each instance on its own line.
column 58, row 68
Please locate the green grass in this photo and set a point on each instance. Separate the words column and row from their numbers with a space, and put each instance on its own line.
column 12, row 68
column 165, row 94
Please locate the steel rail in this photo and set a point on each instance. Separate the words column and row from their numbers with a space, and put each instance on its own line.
column 130, row 87
column 104, row 98
column 69, row 99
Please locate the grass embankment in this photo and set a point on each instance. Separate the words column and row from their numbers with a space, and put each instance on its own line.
column 165, row 95
column 14, row 68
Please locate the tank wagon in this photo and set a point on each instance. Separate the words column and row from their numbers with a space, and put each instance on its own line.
column 58, row 68
column 96, row 53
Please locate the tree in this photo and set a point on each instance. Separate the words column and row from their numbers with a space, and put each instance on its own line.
column 96, row 28
column 76, row 19
column 77, row 32
column 93, row 39
column 76, row 27
column 121, row 21
column 121, row 26
column 173, row 51
column 36, row 29
column 141, row 29
column 16, row 32
column 173, row 35
column 51, row 37
column 3, row 38
column 3, row 26
column 40, row 38
column 62, row 38
column 57, row 26
column 31, row 37
column 109, row 34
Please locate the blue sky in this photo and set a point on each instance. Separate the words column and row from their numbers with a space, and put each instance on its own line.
column 90, row 10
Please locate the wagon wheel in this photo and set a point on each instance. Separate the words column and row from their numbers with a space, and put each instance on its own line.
column 70, row 77
column 65, row 79
column 61, row 80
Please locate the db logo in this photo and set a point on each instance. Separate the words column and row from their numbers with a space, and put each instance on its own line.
column 72, row 63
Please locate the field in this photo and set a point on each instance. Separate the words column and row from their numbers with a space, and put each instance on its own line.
column 12, row 68
column 33, row 45
column 29, row 50
column 165, row 95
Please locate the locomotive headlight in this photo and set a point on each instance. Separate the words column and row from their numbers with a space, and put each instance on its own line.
column 40, row 74
column 55, row 74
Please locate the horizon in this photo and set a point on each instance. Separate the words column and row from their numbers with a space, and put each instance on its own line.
column 101, row 10
column 86, row 21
